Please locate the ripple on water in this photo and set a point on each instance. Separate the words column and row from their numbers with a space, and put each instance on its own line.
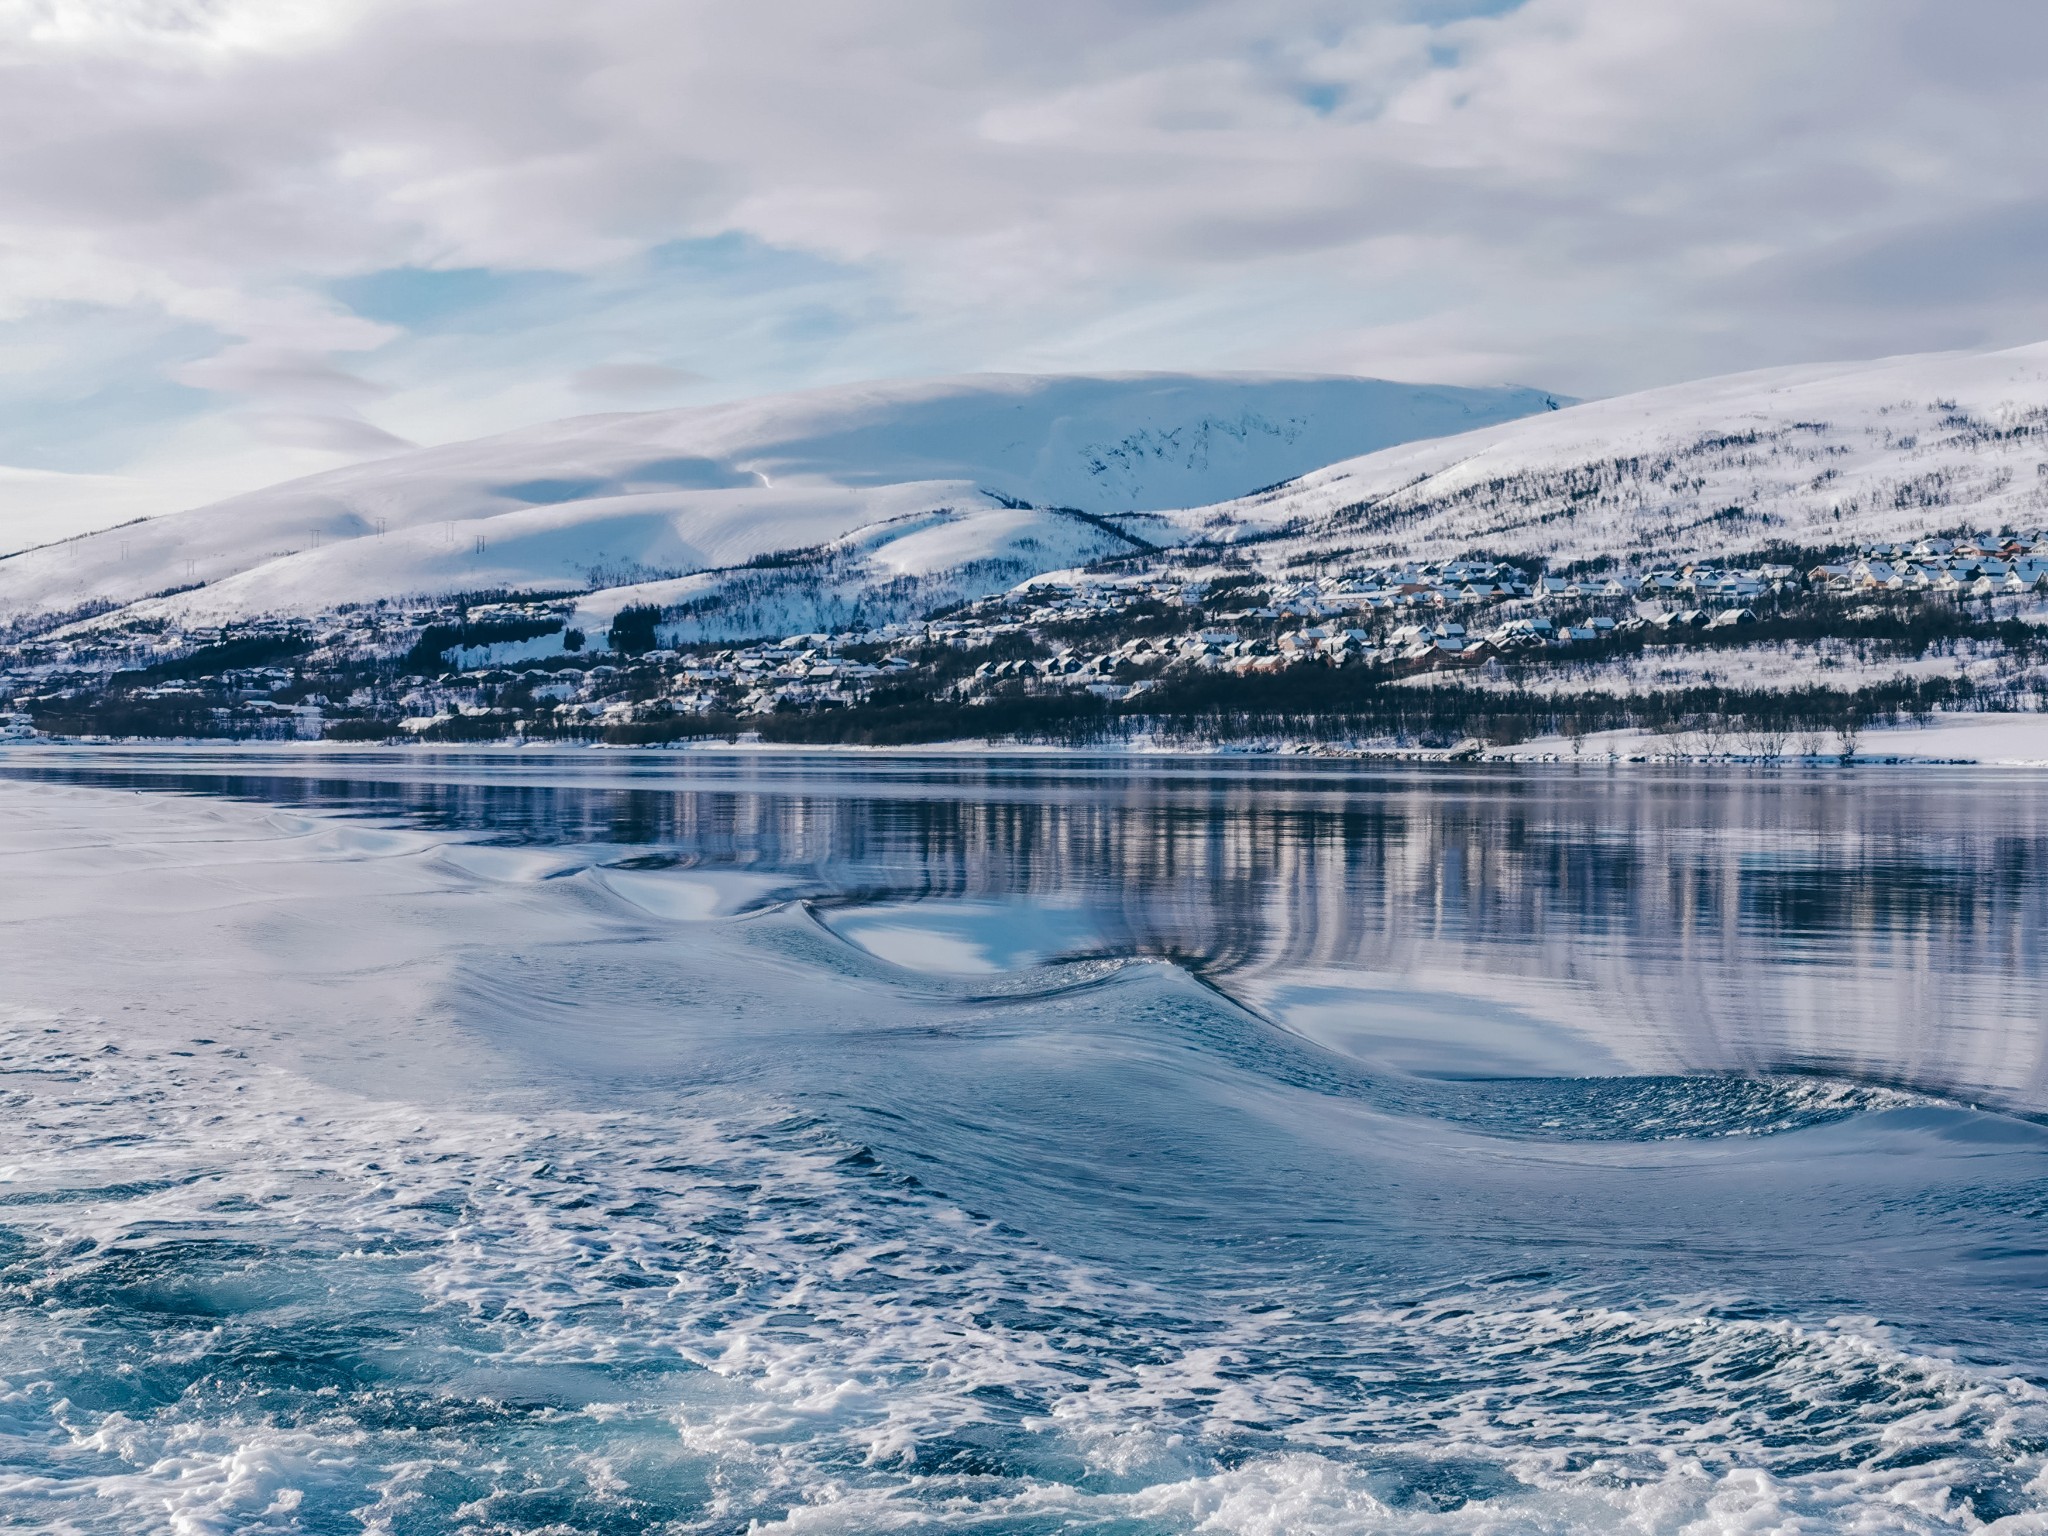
column 1662, row 1108
column 231, row 1301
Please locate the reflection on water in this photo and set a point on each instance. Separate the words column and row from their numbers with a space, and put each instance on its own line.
column 1882, row 925
column 706, row 1143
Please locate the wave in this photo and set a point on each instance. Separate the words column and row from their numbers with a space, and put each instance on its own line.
column 234, row 1300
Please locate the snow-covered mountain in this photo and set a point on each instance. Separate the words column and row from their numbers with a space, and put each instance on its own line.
column 849, row 506
column 1811, row 456
column 917, row 480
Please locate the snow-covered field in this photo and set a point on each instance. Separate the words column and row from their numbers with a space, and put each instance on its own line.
column 1988, row 740
column 1778, row 667
column 2014, row 740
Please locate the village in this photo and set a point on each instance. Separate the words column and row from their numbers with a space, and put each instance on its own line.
column 518, row 668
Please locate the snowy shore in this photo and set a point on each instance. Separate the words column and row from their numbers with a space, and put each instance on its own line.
column 1958, row 740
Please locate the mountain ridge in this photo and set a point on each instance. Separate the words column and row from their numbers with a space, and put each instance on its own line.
column 676, row 492
column 907, row 496
column 1809, row 454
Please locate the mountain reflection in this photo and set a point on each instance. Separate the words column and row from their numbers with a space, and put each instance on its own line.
column 1878, row 924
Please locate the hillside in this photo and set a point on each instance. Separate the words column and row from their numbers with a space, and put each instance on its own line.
column 1623, row 566
column 1811, row 456
column 605, row 501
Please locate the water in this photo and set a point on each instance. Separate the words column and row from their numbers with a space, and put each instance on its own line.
column 691, row 1143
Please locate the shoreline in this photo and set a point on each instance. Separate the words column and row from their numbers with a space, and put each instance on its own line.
column 2004, row 741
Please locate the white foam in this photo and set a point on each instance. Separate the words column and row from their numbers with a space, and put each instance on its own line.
column 845, row 1326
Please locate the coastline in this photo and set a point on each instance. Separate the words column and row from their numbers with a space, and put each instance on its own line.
column 1980, row 740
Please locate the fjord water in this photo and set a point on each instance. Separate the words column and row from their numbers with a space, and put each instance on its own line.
column 721, row 1143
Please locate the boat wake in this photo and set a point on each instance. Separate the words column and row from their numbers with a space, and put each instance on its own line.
column 232, row 1300
column 366, row 1179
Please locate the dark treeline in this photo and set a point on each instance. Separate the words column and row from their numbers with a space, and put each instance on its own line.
column 633, row 629
column 429, row 653
column 1442, row 716
column 238, row 653
column 164, row 717
column 1310, row 704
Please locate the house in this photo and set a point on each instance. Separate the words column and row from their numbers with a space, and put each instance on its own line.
column 1525, row 629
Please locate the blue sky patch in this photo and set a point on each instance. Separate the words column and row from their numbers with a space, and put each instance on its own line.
column 425, row 299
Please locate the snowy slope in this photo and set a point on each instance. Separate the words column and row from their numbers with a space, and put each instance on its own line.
column 612, row 499
column 906, row 568
column 1808, row 455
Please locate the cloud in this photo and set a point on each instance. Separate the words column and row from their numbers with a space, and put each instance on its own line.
column 402, row 221
column 277, row 373
column 634, row 381
column 346, row 435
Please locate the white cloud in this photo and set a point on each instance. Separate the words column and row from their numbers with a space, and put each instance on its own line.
column 1588, row 194
column 637, row 383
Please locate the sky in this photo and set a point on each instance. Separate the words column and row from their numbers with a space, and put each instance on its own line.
column 242, row 240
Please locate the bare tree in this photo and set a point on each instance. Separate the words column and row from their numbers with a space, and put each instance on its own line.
column 1679, row 733
column 1711, row 730
column 1766, row 739
column 1849, row 725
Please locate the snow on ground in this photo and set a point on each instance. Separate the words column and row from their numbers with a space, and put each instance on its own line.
column 602, row 500
column 1777, row 667
column 608, row 541
column 2006, row 739
column 1813, row 454
column 1992, row 740
column 1998, row 740
column 883, row 571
